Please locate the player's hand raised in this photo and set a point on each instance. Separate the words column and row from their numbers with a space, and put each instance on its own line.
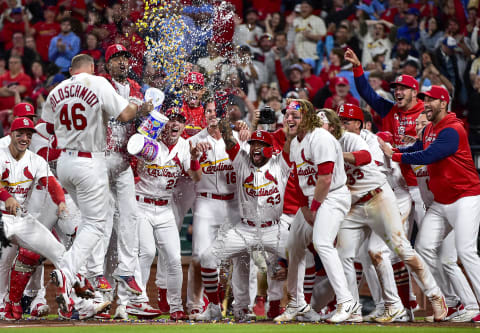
column 199, row 149
column 352, row 58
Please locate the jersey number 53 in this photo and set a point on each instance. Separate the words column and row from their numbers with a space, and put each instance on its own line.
column 69, row 117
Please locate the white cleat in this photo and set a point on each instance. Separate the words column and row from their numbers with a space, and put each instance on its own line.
column 440, row 309
column 356, row 316
column 343, row 312
column 465, row 317
column 244, row 315
column 311, row 316
column 393, row 314
column 211, row 313
column 121, row 313
column 374, row 314
column 291, row 313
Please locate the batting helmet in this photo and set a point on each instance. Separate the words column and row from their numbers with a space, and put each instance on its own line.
column 350, row 111
column 261, row 136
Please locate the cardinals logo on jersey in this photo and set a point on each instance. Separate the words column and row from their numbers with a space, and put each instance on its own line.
column 203, row 158
column 27, row 173
column 249, row 179
column 5, row 174
column 269, row 176
column 305, row 159
column 176, row 160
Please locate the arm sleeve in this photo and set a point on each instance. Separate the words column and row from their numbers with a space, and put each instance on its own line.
column 52, row 50
column 54, row 188
column 445, row 145
column 325, row 168
column 362, row 157
column 377, row 103
column 113, row 103
column 282, row 78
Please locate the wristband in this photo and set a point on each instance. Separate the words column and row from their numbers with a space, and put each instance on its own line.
column 315, row 205
column 4, row 195
column 194, row 165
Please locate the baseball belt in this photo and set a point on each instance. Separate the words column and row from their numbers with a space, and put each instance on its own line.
column 86, row 154
column 369, row 195
column 229, row 196
column 264, row 224
column 150, row 201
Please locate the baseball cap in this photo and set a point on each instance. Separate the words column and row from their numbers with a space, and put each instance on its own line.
column 266, row 35
column 413, row 11
column 340, row 80
column 16, row 10
column 405, row 80
column 175, row 113
column 379, row 50
column 309, row 61
column 194, row 78
column 261, row 136
column 350, row 111
column 436, row 92
column 21, row 123
column 116, row 50
column 450, row 42
column 385, row 136
column 295, row 66
column 24, row 110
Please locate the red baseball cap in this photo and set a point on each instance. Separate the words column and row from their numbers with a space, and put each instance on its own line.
column 406, row 81
column 194, row 78
column 116, row 50
column 24, row 110
column 262, row 136
column 175, row 112
column 340, row 80
column 350, row 111
column 386, row 136
column 436, row 92
column 21, row 123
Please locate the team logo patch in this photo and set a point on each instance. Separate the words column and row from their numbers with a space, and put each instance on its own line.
column 25, row 122
column 119, row 48
column 27, row 107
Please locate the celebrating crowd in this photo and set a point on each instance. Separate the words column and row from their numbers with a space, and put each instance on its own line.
column 314, row 143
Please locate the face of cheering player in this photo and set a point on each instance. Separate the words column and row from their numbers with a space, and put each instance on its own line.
column 173, row 129
column 434, row 109
column 193, row 94
column 293, row 119
column 351, row 125
column 404, row 96
column 21, row 140
column 256, row 153
column 118, row 68
column 211, row 114
column 420, row 123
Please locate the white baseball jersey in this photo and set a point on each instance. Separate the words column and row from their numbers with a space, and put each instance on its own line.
column 360, row 179
column 374, row 147
column 18, row 177
column 159, row 178
column 218, row 173
column 261, row 190
column 421, row 172
column 317, row 147
column 5, row 141
column 76, row 107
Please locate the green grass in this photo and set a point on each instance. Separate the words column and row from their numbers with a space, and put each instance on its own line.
column 251, row 328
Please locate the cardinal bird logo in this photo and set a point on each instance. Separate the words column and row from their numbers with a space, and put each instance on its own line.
column 203, row 158
column 305, row 159
column 5, row 174
column 269, row 177
column 177, row 160
column 27, row 173
column 249, row 179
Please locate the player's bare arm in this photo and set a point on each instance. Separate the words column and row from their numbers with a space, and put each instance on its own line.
column 387, row 150
column 352, row 58
column 12, row 205
column 196, row 151
column 227, row 133
column 128, row 113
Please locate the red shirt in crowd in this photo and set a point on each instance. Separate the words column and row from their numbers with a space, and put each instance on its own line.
column 44, row 32
column 331, row 104
column 22, row 79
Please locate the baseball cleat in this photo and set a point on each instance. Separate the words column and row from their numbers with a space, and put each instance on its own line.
column 374, row 314
column 455, row 311
column 393, row 314
column 121, row 312
column 15, row 311
column 343, row 312
column 273, row 309
column 178, row 315
column 143, row 310
column 311, row 316
column 440, row 309
column 476, row 319
column 465, row 317
column 194, row 313
column 163, row 302
column 243, row 315
column 130, row 283
column 291, row 313
column 83, row 287
column 39, row 310
column 211, row 313
column 101, row 284
column 259, row 307
column 63, row 295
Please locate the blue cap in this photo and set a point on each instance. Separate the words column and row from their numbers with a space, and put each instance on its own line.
column 309, row 61
column 17, row 10
column 413, row 11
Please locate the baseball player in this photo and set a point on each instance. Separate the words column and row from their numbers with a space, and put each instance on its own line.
column 261, row 186
column 19, row 110
column 397, row 117
column 154, row 195
column 321, row 175
column 74, row 110
column 183, row 197
column 453, row 181
column 375, row 206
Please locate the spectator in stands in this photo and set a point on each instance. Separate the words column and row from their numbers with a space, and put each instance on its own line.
column 341, row 95
column 430, row 33
column 333, row 67
column 448, row 63
column 91, row 48
column 379, row 62
column 402, row 55
column 248, row 32
column 45, row 30
column 395, row 13
column 254, row 73
column 64, row 46
column 264, row 55
column 14, row 83
column 431, row 75
column 213, row 61
column 409, row 31
column 19, row 23
column 309, row 29
column 345, row 38
column 312, row 81
column 294, row 79
column 27, row 54
column 474, row 70
column 275, row 23
column 281, row 43
column 474, row 112
column 77, row 8
column 375, row 38
column 39, row 93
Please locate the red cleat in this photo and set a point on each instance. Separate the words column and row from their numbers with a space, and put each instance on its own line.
column 130, row 283
column 259, row 307
column 162, row 301
column 178, row 315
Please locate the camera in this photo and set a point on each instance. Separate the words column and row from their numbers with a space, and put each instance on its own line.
column 267, row 116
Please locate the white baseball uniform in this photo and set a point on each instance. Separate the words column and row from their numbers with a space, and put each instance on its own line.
column 316, row 148
column 76, row 108
column 154, row 195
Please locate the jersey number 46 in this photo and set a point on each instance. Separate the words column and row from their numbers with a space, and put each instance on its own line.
column 69, row 117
